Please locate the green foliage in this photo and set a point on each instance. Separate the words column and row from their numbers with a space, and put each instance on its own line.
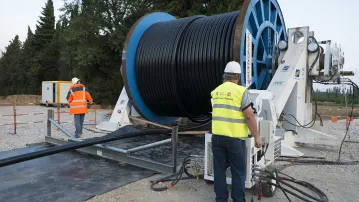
column 336, row 95
column 87, row 42
column 10, row 68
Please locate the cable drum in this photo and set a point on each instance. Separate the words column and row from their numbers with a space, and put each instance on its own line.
column 179, row 62
column 170, row 66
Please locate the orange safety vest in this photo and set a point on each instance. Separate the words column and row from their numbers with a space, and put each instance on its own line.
column 77, row 97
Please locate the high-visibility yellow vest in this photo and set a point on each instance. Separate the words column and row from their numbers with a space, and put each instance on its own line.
column 227, row 116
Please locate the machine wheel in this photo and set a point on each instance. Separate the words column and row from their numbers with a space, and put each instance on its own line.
column 209, row 182
column 270, row 190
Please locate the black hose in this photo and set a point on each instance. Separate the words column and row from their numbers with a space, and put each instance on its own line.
column 300, row 191
column 312, row 122
column 178, row 177
column 280, row 180
column 318, row 162
column 289, row 191
column 355, row 89
column 179, row 62
column 323, row 196
column 85, row 143
column 276, row 177
column 71, row 146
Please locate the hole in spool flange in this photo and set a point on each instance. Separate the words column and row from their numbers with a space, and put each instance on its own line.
column 297, row 37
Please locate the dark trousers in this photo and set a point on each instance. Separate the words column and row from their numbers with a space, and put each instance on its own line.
column 79, row 122
column 229, row 152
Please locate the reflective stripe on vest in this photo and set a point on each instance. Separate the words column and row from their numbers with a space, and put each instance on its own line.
column 83, row 95
column 227, row 116
column 78, row 106
column 216, row 118
column 224, row 106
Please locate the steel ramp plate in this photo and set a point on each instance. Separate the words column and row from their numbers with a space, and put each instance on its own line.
column 187, row 145
column 68, row 176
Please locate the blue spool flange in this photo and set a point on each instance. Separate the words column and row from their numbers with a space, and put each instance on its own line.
column 129, row 65
column 264, row 20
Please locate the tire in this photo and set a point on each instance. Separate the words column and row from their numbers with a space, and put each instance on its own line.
column 270, row 190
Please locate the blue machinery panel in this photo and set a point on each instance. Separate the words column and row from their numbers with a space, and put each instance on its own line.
column 263, row 19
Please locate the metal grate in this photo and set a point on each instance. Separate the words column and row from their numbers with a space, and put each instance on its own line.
column 277, row 148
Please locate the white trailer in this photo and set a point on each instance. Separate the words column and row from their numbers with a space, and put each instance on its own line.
column 54, row 93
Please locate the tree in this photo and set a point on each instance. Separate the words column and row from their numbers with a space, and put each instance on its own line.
column 45, row 29
column 10, row 68
column 87, row 42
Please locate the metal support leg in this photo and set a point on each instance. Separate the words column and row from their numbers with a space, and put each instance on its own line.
column 148, row 146
column 50, row 115
column 174, row 147
column 61, row 128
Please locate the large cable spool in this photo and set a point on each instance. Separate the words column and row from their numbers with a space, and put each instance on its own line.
column 171, row 65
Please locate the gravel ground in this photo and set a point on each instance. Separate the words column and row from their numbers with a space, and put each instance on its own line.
column 35, row 133
column 338, row 182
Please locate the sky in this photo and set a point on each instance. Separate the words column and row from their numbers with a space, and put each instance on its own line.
column 330, row 19
column 16, row 15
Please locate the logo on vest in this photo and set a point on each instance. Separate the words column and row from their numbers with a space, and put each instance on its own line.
column 229, row 94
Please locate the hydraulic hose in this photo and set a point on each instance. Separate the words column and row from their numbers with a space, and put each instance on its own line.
column 177, row 177
column 291, row 192
column 318, row 162
column 280, row 180
column 355, row 89
column 179, row 63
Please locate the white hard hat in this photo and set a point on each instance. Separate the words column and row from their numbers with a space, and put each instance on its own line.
column 233, row 67
column 75, row 80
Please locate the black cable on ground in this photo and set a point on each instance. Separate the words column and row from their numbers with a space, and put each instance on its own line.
column 355, row 89
column 351, row 115
column 179, row 62
column 319, row 162
column 177, row 177
column 116, row 135
column 280, row 180
column 72, row 146
column 94, row 131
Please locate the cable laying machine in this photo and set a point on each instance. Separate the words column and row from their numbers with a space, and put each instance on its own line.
column 171, row 65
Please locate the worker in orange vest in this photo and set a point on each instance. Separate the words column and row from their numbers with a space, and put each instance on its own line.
column 78, row 97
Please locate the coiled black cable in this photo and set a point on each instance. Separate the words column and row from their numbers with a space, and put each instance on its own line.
column 179, row 63
column 267, row 176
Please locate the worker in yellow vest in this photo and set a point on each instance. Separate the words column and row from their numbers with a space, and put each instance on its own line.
column 232, row 115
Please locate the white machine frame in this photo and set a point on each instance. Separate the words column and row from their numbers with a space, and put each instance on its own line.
column 288, row 93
